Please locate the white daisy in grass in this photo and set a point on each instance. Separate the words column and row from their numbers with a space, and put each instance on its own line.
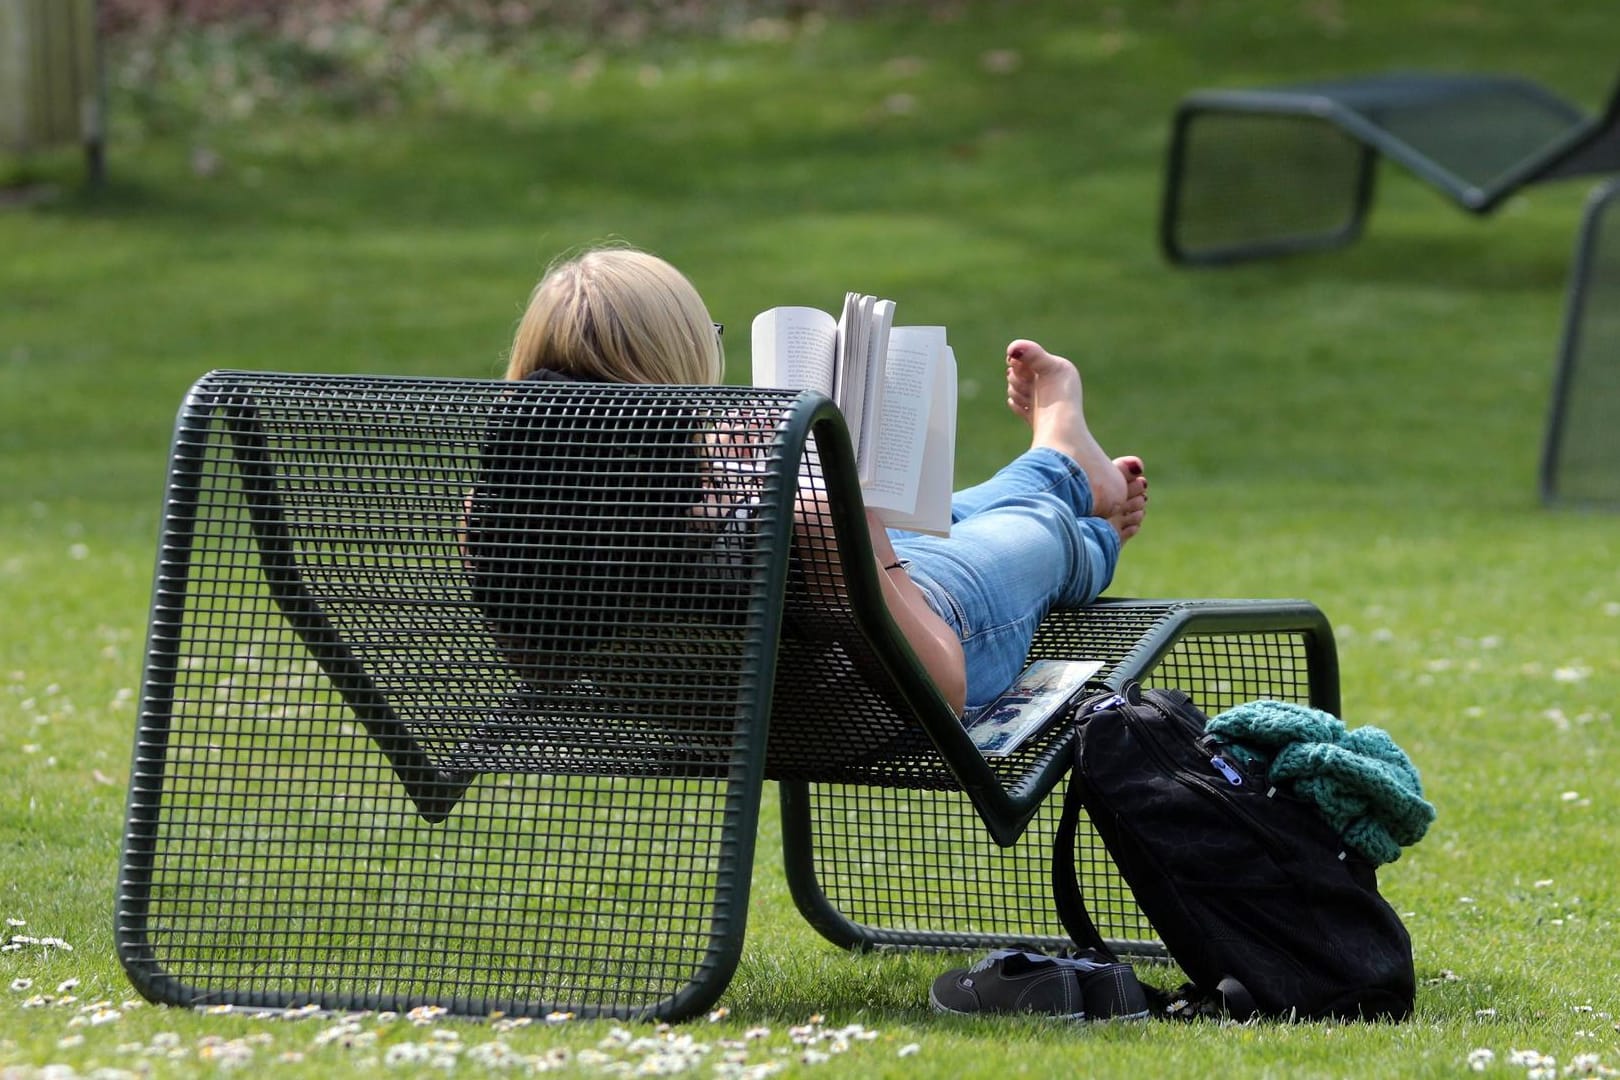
column 340, row 1033
column 1531, row 1059
column 224, row 1053
column 426, row 1014
column 407, row 1053
column 494, row 1054
column 511, row 1023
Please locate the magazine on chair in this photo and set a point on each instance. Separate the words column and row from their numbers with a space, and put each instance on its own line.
column 1030, row 705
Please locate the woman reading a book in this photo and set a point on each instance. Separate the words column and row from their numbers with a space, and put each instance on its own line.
column 1044, row 532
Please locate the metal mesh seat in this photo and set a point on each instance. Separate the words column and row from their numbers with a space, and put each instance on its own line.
column 464, row 693
column 1264, row 172
column 1580, row 464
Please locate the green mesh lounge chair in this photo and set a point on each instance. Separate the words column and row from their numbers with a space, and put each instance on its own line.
column 466, row 693
column 1256, row 173
column 1580, row 462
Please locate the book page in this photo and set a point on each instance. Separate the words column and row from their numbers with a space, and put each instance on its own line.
column 931, row 510
column 1031, row 704
column 866, row 407
column 850, row 374
column 848, row 316
column 902, row 424
column 793, row 349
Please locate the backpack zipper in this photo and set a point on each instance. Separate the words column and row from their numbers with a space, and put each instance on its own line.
column 1187, row 777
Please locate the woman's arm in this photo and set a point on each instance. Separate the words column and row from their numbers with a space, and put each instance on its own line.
column 930, row 636
column 933, row 641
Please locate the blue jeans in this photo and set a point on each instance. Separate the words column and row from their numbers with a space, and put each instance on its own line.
column 1022, row 543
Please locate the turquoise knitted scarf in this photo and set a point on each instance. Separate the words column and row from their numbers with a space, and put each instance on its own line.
column 1365, row 786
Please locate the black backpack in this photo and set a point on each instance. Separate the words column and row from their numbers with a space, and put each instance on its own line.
column 1252, row 892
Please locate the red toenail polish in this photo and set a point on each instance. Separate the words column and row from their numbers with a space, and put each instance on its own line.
column 1017, row 354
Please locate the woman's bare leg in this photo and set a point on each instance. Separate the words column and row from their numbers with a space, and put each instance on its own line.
column 1045, row 391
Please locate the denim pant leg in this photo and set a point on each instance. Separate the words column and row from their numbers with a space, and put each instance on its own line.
column 1039, row 468
column 1023, row 550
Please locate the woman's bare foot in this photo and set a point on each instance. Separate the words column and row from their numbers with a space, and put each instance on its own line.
column 1045, row 391
column 1127, row 520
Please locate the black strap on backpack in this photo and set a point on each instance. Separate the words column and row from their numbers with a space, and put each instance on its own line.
column 1066, row 891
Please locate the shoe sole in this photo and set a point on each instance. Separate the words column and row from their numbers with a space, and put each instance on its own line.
column 941, row 1007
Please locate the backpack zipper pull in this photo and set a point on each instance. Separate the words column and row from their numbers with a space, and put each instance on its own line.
column 1226, row 769
column 1129, row 694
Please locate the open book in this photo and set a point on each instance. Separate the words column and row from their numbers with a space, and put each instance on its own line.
column 896, row 386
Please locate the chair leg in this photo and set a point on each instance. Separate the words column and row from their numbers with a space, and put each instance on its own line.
column 1579, row 464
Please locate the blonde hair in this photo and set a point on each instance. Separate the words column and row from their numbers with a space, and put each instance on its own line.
column 617, row 315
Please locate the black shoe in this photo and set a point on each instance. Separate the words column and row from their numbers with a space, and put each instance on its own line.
column 1010, row 981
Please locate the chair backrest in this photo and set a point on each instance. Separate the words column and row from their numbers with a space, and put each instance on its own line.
column 492, row 577
column 1473, row 134
column 1580, row 463
column 1480, row 137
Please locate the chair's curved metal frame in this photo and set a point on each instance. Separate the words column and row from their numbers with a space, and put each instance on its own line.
column 1573, row 342
column 1590, row 146
column 1138, row 640
column 1005, row 795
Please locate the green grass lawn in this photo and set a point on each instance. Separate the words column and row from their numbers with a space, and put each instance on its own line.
column 1360, row 429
